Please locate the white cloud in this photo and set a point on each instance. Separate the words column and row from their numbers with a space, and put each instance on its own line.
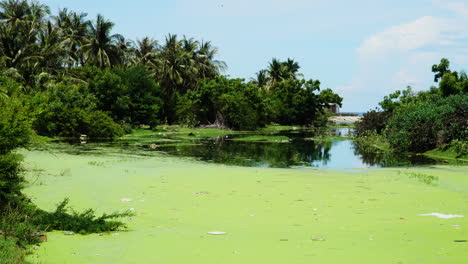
column 402, row 55
column 423, row 32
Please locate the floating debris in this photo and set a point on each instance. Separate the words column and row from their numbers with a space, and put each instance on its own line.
column 69, row 233
column 444, row 216
column 217, row 233
column 318, row 239
column 153, row 146
column 126, row 200
column 284, row 239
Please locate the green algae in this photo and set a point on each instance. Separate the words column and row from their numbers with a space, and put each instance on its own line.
column 270, row 215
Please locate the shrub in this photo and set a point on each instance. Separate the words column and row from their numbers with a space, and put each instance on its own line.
column 69, row 110
column 294, row 102
column 228, row 102
column 84, row 223
column 372, row 121
column 423, row 125
column 100, row 125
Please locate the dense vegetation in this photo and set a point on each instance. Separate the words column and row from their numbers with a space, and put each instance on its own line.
column 419, row 122
column 82, row 78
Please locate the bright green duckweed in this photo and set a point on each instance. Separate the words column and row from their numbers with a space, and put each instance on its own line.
column 270, row 215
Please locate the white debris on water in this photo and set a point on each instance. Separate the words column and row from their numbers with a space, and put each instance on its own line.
column 126, row 200
column 217, row 233
column 444, row 216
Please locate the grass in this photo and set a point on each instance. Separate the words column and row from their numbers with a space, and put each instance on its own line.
column 448, row 154
column 10, row 252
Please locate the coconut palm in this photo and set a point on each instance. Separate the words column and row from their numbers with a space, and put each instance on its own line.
column 174, row 64
column 75, row 29
column 100, row 48
column 276, row 70
column 291, row 69
column 125, row 49
column 261, row 79
column 208, row 66
column 146, row 52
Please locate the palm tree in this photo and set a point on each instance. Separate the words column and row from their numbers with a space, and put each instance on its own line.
column 173, row 64
column 206, row 62
column 52, row 51
column 125, row 49
column 291, row 69
column 261, row 79
column 100, row 48
column 21, row 12
column 75, row 29
column 20, row 25
column 146, row 52
column 276, row 70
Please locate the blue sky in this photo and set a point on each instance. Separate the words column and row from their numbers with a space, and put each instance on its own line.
column 363, row 49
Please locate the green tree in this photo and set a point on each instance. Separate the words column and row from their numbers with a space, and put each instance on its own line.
column 441, row 69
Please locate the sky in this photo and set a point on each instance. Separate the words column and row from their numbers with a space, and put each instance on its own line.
column 362, row 49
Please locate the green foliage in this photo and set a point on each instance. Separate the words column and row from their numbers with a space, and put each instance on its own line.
column 111, row 94
column 440, row 69
column 16, row 222
column 293, row 102
column 373, row 121
column 449, row 84
column 227, row 102
column 396, row 99
column 16, row 117
column 84, row 223
column 11, row 181
column 10, row 253
column 130, row 95
column 327, row 96
column 144, row 94
column 100, row 125
column 438, row 122
column 69, row 110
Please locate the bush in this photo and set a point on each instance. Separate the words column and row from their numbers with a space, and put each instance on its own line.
column 16, row 117
column 372, row 121
column 10, row 253
column 69, row 110
column 100, row 125
column 228, row 102
column 128, row 94
column 294, row 102
column 422, row 126
column 85, row 222
column 11, row 181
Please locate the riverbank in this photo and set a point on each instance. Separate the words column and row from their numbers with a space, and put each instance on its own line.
column 269, row 215
column 345, row 119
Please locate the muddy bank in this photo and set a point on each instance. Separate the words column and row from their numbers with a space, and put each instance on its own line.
column 346, row 119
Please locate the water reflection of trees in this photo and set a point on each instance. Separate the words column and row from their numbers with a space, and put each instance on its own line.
column 268, row 154
column 375, row 157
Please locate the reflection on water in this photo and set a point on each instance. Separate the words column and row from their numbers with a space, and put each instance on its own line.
column 299, row 150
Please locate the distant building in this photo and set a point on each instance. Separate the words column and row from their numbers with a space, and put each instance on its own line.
column 334, row 108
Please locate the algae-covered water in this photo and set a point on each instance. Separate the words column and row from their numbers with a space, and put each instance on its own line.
column 270, row 215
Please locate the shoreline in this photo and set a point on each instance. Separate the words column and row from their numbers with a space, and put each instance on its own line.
column 346, row 119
